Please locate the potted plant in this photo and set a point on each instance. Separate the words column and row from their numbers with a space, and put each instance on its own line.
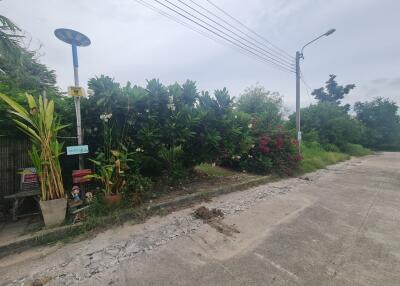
column 111, row 165
column 42, row 126
column 111, row 175
column 104, row 174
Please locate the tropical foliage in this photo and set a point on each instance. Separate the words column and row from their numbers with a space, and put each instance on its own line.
column 41, row 125
column 174, row 128
column 21, row 72
column 9, row 38
column 329, row 124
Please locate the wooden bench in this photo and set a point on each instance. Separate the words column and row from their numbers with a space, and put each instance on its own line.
column 29, row 188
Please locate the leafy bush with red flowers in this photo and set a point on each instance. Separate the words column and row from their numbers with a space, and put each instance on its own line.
column 274, row 153
column 274, row 150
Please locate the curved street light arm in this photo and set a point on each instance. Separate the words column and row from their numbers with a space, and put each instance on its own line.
column 331, row 31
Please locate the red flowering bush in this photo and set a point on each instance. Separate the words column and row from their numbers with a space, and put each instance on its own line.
column 275, row 153
column 263, row 144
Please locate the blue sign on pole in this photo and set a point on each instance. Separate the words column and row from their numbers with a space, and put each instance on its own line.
column 76, row 150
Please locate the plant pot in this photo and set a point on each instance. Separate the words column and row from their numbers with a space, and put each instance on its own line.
column 112, row 199
column 53, row 211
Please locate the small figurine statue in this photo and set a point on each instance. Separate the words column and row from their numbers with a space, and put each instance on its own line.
column 75, row 193
column 89, row 197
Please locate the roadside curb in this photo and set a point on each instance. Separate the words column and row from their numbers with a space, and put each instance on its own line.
column 28, row 241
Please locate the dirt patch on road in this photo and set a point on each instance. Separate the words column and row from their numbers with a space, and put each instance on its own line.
column 213, row 218
column 207, row 214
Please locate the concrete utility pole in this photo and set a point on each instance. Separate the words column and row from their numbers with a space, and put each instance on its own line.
column 298, row 130
column 75, row 39
column 300, row 55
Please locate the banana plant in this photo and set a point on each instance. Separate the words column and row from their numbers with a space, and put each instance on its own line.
column 104, row 175
column 42, row 126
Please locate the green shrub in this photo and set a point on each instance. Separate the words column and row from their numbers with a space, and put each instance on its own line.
column 175, row 128
column 138, row 189
column 311, row 136
column 331, row 122
column 382, row 121
column 275, row 153
column 331, row 148
column 172, row 158
column 356, row 150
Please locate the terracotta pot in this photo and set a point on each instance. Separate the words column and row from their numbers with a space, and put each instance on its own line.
column 112, row 199
column 53, row 211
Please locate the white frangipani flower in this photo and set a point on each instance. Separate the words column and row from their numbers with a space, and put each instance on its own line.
column 105, row 117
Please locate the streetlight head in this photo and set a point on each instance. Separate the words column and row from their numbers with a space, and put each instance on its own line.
column 72, row 37
column 331, row 31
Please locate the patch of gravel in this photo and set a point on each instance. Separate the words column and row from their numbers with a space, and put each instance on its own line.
column 100, row 259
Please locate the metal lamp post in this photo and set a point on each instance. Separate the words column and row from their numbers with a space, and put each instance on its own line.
column 299, row 55
column 75, row 39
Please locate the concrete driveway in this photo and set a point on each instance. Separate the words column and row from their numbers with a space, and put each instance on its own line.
column 339, row 226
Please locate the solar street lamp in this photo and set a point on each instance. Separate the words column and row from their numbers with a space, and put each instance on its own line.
column 75, row 39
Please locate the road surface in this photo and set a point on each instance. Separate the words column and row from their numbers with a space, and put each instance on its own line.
column 338, row 226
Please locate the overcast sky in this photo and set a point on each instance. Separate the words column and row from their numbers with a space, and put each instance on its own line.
column 132, row 42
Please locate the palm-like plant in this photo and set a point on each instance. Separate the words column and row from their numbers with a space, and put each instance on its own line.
column 9, row 38
column 40, row 124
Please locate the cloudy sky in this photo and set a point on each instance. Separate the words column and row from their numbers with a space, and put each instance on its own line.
column 132, row 42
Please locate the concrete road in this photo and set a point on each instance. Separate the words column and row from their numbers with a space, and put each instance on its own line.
column 339, row 226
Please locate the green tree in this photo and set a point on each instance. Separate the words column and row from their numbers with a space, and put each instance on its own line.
column 329, row 123
column 333, row 92
column 381, row 118
column 9, row 38
column 21, row 72
column 264, row 106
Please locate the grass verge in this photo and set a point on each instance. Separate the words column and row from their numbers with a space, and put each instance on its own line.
column 356, row 150
column 214, row 171
column 315, row 157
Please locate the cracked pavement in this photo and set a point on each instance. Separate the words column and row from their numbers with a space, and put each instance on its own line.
column 337, row 226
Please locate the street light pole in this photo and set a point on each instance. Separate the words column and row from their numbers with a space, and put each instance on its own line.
column 77, row 101
column 300, row 55
column 75, row 39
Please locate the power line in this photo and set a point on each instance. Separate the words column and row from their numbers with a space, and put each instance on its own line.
column 227, row 35
column 214, row 38
column 308, row 93
column 227, row 42
column 277, row 50
column 250, row 30
column 253, row 42
column 234, row 41
column 308, row 88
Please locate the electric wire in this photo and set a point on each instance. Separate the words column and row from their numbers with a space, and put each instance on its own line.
column 251, row 42
column 227, row 35
column 234, row 41
column 308, row 88
column 283, row 52
column 277, row 50
column 214, row 38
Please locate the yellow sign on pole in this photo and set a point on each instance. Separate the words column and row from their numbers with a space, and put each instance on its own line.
column 76, row 91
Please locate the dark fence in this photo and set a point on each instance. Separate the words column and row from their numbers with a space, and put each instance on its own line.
column 13, row 156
